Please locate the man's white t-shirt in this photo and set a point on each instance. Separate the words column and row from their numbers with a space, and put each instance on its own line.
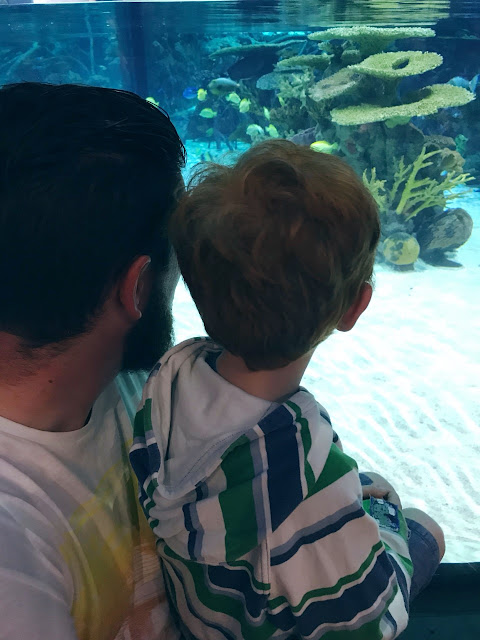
column 77, row 557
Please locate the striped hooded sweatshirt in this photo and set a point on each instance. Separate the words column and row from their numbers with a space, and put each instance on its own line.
column 259, row 518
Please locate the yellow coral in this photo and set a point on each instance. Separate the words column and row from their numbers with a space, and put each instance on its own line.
column 410, row 194
column 371, row 39
column 398, row 64
column 430, row 100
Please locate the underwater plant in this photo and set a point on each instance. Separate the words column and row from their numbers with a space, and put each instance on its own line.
column 409, row 194
column 412, row 192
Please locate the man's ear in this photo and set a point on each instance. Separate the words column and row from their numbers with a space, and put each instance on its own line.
column 135, row 288
column 362, row 301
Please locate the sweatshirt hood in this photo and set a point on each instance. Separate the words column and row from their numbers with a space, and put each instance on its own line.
column 200, row 443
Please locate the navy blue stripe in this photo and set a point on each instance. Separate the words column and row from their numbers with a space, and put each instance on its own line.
column 354, row 600
column 317, row 535
column 189, row 527
column 139, row 462
column 172, row 604
column 326, row 417
column 225, row 632
column 238, row 580
column 277, row 419
column 283, row 476
column 154, row 460
column 392, row 621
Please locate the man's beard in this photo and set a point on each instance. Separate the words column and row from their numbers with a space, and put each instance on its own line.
column 151, row 337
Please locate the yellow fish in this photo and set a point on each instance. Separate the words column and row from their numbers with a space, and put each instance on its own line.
column 254, row 130
column 233, row 97
column 202, row 95
column 153, row 101
column 244, row 105
column 272, row 131
column 266, row 113
column 207, row 113
column 281, row 100
column 209, row 132
column 323, row 146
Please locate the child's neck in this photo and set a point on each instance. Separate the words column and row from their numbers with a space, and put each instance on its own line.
column 275, row 385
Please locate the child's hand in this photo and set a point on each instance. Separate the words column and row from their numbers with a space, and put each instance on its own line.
column 380, row 488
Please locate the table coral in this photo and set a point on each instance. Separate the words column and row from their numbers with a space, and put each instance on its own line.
column 371, row 39
column 429, row 100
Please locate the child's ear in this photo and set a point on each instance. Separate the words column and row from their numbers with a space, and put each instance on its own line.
column 358, row 307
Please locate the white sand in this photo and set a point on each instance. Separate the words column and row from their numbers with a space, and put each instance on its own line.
column 403, row 388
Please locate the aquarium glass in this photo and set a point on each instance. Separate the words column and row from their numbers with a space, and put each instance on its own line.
column 392, row 87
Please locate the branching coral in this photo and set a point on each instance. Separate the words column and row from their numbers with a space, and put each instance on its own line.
column 410, row 194
column 377, row 189
column 295, row 85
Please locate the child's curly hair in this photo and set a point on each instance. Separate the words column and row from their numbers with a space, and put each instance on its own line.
column 275, row 249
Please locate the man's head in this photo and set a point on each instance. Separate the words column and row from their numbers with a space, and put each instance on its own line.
column 88, row 178
column 276, row 250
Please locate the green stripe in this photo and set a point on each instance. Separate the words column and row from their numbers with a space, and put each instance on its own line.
column 237, row 502
column 143, row 420
column 337, row 465
column 220, row 603
column 307, row 445
column 328, row 591
column 139, row 424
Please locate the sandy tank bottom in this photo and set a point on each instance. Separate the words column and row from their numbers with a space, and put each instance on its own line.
column 403, row 387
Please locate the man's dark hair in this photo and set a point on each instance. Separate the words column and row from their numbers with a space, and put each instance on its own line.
column 88, row 178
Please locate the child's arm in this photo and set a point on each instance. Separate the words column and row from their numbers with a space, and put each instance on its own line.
column 333, row 569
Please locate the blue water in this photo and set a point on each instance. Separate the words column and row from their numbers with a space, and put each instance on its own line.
column 403, row 387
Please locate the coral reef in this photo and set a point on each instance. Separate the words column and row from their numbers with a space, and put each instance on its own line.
column 371, row 40
column 340, row 91
column 411, row 193
column 425, row 102
column 314, row 61
column 398, row 64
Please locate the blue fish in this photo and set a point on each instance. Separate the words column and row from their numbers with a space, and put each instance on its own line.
column 473, row 84
column 458, row 81
column 190, row 93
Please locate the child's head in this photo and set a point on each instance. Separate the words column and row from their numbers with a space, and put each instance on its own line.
column 275, row 249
